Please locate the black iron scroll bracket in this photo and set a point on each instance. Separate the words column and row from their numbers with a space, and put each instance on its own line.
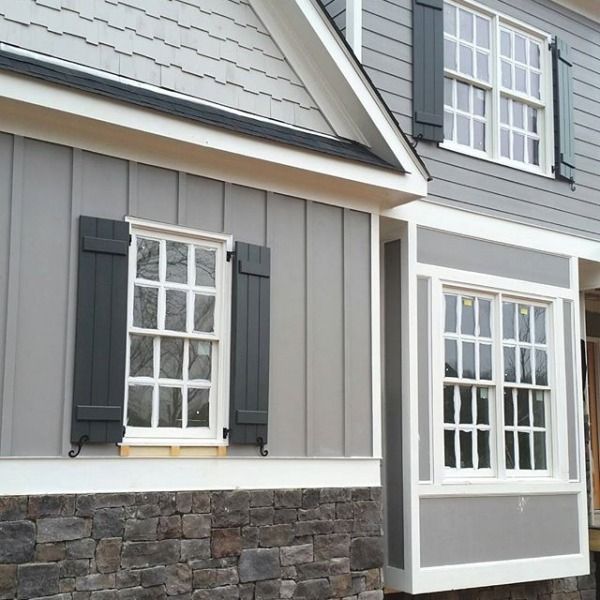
column 261, row 446
column 74, row 453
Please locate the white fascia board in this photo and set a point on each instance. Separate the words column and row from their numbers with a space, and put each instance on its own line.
column 587, row 8
column 340, row 88
column 86, row 475
column 489, row 228
column 376, row 186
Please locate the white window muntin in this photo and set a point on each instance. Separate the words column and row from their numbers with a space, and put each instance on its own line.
column 493, row 92
column 498, row 468
column 217, row 385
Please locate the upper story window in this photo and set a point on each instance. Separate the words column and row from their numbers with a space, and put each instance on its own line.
column 496, row 385
column 497, row 88
column 176, row 322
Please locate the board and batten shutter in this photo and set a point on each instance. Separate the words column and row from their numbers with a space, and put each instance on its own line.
column 428, row 70
column 250, row 330
column 564, row 151
column 101, row 331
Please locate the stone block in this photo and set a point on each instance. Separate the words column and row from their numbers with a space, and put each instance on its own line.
column 108, row 555
column 51, row 552
column 336, row 545
column 341, row 585
column 226, row 542
column 59, row 529
column 313, row 527
column 285, row 515
column 267, row 590
column 311, row 498
column 169, row 527
column 95, row 581
column 127, row 579
column 184, row 502
column 328, row 495
column 179, row 579
column 344, row 510
column 296, row 555
column 313, row 589
column 88, row 504
column 314, row 570
column 138, row 593
column 366, row 553
column 261, row 498
column 201, row 502
column 17, row 541
column 230, row 509
column 339, row 566
column 249, row 537
column 367, row 517
column 228, row 592
column 287, row 498
column 196, row 526
column 261, row 516
column 8, row 581
column 141, row 530
column 226, row 576
column 84, row 548
column 104, row 595
column 195, row 549
column 66, row 584
column 37, row 579
column 288, row 587
column 153, row 576
column 150, row 554
column 258, row 564
column 13, row 508
column 361, row 494
column 74, row 567
column 276, row 535
column 51, row 506
column 108, row 523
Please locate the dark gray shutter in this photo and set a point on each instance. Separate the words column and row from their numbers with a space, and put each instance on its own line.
column 100, row 345
column 564, row 152
column 250, row 326
column 428, row 69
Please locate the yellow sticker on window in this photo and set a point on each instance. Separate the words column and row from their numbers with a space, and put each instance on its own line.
column 524, row 310
column 467, row 302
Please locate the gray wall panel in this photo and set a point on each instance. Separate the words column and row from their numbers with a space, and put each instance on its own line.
column 424, row 375
column 321, row 329
column 462, row 530
column 214, row 50
column 470, row 254
column 393, row 404
column 482, row 186
column 572, row 425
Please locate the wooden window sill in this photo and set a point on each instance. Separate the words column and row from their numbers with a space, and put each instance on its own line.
column 172, row 451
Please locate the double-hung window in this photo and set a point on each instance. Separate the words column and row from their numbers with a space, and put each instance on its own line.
column 497, row 88
column 177, row 321
column 496, row 387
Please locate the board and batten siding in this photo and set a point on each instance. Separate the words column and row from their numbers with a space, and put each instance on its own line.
column 481, row 186
column 320, row 367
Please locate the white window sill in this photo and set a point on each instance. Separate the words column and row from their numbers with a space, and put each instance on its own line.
column 181, row 442
column 512, row 486
column 497, row 161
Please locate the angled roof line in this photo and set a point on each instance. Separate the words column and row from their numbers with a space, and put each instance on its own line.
column 212, row 115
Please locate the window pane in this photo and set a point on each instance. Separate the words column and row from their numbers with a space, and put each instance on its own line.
column 450, row 55
column 177, row 262
column 466, row 60
column 532, row 120
column 462, row 96
column 466, row 449
column 169, row 413
column 198, row 407
column 521, row 80
column 539, row 410
column 485, row 361
column 479, row 135
column 541, row 367
column 463, row 130
column 468, row 360
column 145, row 303
column 525, row 358
column 518, row 121
column 524, row 451
column 141, row 356
column 466, row 25
column 505, row 44
column 451, row 369
column 205, row 267
column 504, row 108
column 539, row 316
column 518, row 147
column 448, row 100
column 534, row 85
column 522, row 407
column 449, row 449
column 509, row 441
column 534, row 54
column 449, row 19
column 520, row 49
column 524, row 323
column 505, row 143
column 506, row 74
column 509, row 409
column 448, row 404
column 450, row 324
column 139, row 406
column 479, row 102
column 466, row 405
column 468, row 315
column 510, row 371
column 483, row 32
column 483, row 69
column 533, row 151
column 171, row 358
column 204, row 313
column 200, row 360
column 175, row 310
column 539, row 450
column 484, row 318
column 147, row 258
column 483, row 406
column 448, row 126
column 483, row 449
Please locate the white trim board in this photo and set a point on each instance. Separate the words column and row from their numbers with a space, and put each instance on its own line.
column 27, row 476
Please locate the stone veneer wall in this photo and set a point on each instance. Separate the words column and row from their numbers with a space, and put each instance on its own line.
column 306, row 544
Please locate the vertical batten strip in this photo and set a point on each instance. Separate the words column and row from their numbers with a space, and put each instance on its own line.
column 132, row 190
column 309, row 337
column 181, row 198
column 376, row 368
column 346, row 384
column 227, row 220
column 71, row 308
column 12, row 296
column 354, row 26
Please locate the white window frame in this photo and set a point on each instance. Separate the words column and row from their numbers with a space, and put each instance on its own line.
column 494, row 92
column 219, row 395
column 556, row 433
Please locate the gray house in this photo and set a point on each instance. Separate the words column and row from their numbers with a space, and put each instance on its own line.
column 293, row 296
